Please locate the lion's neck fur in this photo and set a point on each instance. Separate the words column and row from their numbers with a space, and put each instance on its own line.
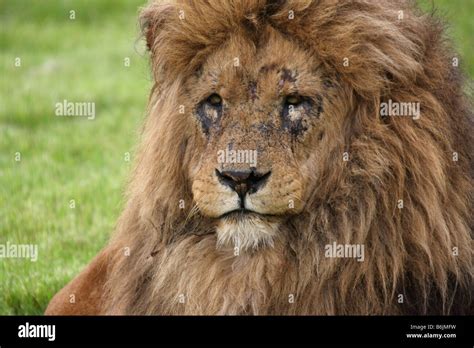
column 191, row 274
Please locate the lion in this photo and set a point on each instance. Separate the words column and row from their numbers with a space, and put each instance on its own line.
column 266, row 166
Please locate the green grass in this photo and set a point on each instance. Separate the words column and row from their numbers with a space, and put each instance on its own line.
column 458, row 15
column 65, row 158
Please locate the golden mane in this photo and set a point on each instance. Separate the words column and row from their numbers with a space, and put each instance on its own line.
column 423, row 251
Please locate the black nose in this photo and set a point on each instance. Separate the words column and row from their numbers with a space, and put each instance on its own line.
column 242, row 182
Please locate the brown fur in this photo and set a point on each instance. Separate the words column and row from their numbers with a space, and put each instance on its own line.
column 83, row 295
column 175, row 253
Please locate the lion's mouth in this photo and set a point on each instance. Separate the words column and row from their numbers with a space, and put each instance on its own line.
column 239, row 214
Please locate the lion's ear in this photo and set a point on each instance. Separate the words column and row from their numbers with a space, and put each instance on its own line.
column 152, row 19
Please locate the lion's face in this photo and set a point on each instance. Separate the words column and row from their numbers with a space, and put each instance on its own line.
column 260, row 117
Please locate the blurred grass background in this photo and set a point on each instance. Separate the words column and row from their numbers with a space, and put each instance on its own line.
column 64, row 158
column 72, row 158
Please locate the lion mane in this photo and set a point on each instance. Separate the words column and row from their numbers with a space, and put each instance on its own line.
column 163, row 258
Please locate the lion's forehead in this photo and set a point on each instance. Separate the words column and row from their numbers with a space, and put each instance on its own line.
column 241, row 72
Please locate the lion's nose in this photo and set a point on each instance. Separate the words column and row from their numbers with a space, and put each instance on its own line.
column 243, row 182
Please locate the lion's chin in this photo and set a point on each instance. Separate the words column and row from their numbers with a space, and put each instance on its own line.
column 246, row 231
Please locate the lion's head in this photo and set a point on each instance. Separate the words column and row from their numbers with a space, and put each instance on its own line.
column 265, row 143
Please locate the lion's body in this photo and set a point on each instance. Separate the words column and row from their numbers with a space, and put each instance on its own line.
column 404, row 191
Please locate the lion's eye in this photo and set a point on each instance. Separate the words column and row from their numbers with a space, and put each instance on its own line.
column 214, row 99
column 294, row 100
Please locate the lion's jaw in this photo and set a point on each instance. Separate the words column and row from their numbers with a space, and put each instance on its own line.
column 245, row 231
